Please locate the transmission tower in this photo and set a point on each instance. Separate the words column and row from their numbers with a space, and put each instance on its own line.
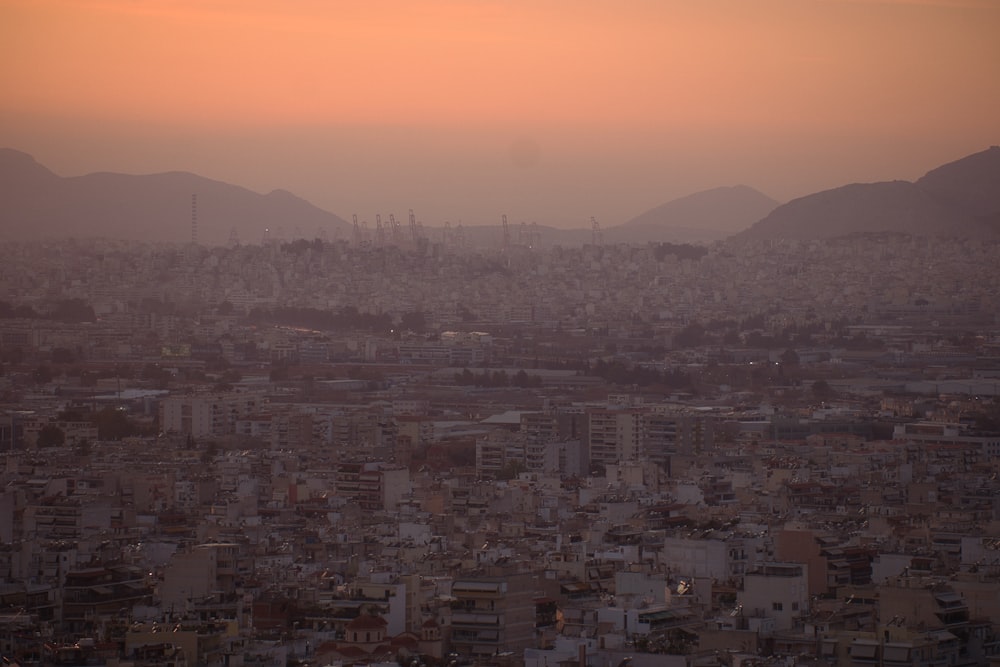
column 595, row 232
column 194, row 219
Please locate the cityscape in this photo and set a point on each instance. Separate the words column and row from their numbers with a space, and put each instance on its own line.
column 499, row 333
column 335, row 453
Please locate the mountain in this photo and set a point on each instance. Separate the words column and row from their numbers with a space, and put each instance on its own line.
column 38, row 204
column 971, row 184
column 702, row 216
column 961, row 198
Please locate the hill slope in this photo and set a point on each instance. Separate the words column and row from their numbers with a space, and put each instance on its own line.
column 702, row 216
column 959, row 199
column 37, row 204
column 972, row 184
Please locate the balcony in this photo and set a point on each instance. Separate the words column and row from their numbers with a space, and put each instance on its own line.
column 461, row 620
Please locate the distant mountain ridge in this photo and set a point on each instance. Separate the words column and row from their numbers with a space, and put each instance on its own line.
column 961, row 198
column 38, row 204
column 703, row 216
column 958, row 199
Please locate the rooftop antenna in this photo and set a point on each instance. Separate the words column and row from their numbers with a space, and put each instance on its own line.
column 194, row 219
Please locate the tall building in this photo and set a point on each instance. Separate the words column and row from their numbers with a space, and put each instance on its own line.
column 492, row 615
column 615, row 435
column 200, row 571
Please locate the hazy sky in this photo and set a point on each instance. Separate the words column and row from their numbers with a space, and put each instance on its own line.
column 547, row 110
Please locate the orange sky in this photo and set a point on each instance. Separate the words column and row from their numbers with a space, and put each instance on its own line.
column 549, row 110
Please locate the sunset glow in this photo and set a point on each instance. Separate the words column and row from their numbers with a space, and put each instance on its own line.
column 874, row 89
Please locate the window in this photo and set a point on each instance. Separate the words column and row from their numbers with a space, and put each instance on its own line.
column 777, row 606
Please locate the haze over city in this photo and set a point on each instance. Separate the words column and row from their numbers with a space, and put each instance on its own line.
column 469, row 333
column 548, row 111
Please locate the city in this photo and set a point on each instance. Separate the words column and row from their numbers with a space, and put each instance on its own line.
column 338, row 453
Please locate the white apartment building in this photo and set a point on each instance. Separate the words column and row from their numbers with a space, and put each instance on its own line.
column 615, row 435
column 776, row 590
column 207, row 414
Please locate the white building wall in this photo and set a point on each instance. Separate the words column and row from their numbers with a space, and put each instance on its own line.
column 774, row 594
column 696, row 558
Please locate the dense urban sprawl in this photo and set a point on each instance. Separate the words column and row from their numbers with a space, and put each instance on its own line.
column 321, row 453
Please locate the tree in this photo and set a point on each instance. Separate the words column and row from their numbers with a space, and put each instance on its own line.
column 822, row 390
column 522, row 379
column 279, row 372
column 113, row 424
column 63, row 355
column 73, row 310
column 463, row 312
column 157, row 375
column 8, row 311
column 690, row 336
column 51, row 435
column 208, row 454
column 511, row 470
column 465, row 378
column 70, row 415
column 43, row 375
column 790, row 357
column 414, row 321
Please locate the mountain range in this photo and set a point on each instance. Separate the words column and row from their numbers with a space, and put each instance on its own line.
column 38, row 204
column 958, row 199
column 961, row 198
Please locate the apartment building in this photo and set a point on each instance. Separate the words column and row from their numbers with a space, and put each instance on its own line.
column 615, row 435
column 492, row 614
column 779, row 591
column 207, row 414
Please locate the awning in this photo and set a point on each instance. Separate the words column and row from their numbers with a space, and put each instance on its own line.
column 897, row 653
column 864, row 649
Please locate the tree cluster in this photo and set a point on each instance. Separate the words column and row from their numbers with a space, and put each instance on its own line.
column 112, row 423
column 678, row 250
column 621, row 373
column 70, row 311
column 497, row 378
column 347, row 318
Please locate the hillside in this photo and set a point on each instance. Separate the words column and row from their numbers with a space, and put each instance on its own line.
column 972, row 184
column 702, row 216
column 959, row 199
column 39, row 204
